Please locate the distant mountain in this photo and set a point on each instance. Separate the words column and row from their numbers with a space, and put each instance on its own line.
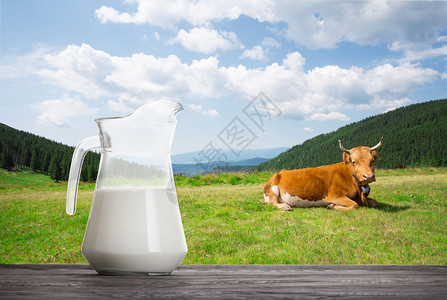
column 196, row 156
column 217, row 166
column 413, row 136
column 197, row 162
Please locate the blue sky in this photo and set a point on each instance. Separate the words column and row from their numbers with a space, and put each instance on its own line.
column 318, row 65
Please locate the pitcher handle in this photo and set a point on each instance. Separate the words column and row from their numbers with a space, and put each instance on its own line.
column 79, row 153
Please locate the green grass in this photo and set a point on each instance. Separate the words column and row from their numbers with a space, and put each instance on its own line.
column 223, row 179
column 225, row 224
column 23, row 179
column 29, row 180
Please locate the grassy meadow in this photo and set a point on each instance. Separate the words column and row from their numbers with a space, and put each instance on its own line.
column 224, row 222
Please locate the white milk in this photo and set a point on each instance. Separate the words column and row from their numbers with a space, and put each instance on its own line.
column 134, row 231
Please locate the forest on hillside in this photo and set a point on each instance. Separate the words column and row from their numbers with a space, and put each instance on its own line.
column 413, row 136
column 22, row 150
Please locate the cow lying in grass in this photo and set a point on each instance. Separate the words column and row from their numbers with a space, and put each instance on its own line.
column 340, row 186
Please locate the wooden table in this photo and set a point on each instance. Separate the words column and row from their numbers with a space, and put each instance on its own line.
column 57, row 281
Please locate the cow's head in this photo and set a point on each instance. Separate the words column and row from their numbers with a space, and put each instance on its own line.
column 361, row 160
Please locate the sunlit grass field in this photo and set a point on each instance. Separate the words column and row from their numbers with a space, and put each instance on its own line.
column 224, row 222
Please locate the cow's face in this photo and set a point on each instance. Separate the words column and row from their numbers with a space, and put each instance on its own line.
column 361, row 161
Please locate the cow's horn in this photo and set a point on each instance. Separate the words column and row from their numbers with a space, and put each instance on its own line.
column 378, row 145
column 343, row 148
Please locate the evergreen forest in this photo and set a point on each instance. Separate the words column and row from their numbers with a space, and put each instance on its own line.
column 22, row 150
column 413, row 136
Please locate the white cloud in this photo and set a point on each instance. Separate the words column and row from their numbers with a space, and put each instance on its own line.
column 270, row 42
column 332, row 116
column 206, row 40
column 209, row 112
column 392, row 105
column 109, row 14
column 195, row 107
column 409, row 24
column 319, row 93
column 413, row 55
column 19, row 66
column 256, row 53
column 80, row 69
column 391, row 80
column 385, row 104
column 57, row 112
column 295, row 62
column 314, row 24
column 260, row 52
column 168, row 14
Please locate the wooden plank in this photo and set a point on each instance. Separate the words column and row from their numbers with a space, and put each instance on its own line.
column 228, row 281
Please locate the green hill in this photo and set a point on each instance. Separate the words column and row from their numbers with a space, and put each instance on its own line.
column 413, row 136
column 23, row 150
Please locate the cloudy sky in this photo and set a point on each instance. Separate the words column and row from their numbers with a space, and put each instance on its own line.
column 250, row 74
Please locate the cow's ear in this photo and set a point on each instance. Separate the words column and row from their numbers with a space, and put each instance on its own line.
column 375, row 156
column 346, row 158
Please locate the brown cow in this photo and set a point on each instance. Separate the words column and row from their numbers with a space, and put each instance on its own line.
column 339, row 186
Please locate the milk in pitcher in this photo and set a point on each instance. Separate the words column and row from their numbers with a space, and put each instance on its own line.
column 134, row 229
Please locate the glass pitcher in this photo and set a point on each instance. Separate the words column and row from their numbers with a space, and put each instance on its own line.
column 134, row 225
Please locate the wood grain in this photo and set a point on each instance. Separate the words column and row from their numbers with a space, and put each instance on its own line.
column 58, row 281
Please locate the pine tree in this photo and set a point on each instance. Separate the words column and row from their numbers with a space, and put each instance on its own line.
column 90, row 173
column 65, row 166
column 26, row 156
column 45, row 165
column 7, row 159
column 34, row 164
column 55, row 169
